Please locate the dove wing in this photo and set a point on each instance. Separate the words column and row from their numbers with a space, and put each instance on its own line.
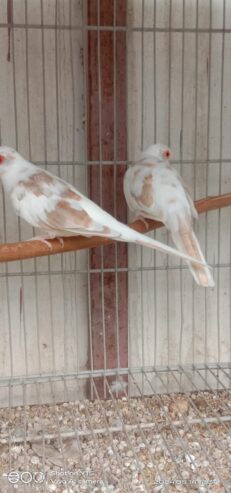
column 77, row 215
column 49, row 203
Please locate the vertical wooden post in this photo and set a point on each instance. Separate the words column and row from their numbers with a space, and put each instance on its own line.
column 107, row 140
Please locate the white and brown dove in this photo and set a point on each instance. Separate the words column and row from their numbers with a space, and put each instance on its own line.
column 155, row 190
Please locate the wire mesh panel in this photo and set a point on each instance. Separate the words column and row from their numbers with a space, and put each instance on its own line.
column 164, row 442
column 178, row 69
column 44, row 301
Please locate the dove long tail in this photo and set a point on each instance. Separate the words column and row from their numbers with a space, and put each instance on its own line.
column 186, row 241
column 129, row 235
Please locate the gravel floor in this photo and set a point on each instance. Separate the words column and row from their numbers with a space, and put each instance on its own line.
column 175, row 443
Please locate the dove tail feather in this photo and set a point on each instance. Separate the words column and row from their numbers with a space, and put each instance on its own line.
column 129, row 235
column 186, row 241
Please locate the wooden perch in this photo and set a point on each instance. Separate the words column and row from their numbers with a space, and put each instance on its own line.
column 31, row 249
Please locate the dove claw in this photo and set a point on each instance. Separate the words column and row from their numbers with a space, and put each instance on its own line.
column 60, row 239
column 141, row 218
column 45, row 239
column 42, row 239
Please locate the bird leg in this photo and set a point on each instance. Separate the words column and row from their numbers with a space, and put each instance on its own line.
column 45, row 239
column 53, row 236
column 138, row 217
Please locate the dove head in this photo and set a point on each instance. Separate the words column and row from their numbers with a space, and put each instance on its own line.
column 158, row 152
column 12, row 167
column 7, row 155
column 8, row 158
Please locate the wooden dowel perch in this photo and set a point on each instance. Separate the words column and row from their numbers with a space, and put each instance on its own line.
column 31, row 249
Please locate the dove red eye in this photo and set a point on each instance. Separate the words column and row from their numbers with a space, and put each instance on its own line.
column 167, row 154
column 2, row 159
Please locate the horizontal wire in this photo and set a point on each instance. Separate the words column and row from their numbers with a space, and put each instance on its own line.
column 114, row 429
column 116, row 28
column 128, row 163
column 85, row 374
column 105, row 270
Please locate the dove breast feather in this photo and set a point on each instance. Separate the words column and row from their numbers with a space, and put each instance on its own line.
column 157, row 194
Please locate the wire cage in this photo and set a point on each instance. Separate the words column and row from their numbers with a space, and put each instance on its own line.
column 115, row 366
